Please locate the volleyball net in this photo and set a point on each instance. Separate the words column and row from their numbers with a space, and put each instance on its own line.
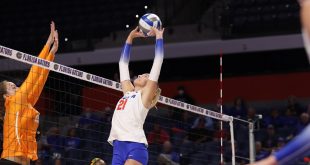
column 76, row 109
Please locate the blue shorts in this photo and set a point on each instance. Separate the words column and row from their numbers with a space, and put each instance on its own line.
column 123, row 150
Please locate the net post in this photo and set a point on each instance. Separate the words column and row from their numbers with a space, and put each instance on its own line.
column 251, row 142
column 232, row 139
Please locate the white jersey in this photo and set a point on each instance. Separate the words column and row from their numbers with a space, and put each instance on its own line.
column 128, row 119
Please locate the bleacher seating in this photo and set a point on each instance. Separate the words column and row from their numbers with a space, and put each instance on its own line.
column 247, row 18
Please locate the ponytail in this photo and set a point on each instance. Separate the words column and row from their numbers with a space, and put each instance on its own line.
column 156, row 98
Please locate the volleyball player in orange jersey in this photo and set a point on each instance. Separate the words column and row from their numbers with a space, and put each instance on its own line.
column 21, row 119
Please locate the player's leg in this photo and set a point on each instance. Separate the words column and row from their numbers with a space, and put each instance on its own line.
column 132, row 162
column 118, row 153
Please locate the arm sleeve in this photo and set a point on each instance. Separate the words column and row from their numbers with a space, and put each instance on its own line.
column 158, row 60
column 32, row 77
column 295, row 149
column 124, row 63
column 36, row 91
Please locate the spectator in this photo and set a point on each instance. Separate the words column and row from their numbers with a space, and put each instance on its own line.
column 239, row 108
column 270, row 139
column 106, row 118
column 107, row 114
column 157, row 135
column 203, row 122
column 217, row 108
column 43, row 154
column 290, row 120
column 202, row 127
column 251, row 114
column 185, row 123
column 280, row 143
column 55, row 141
column 274, row 119
column 88, row 118
column 260, row 152
column 184, row 97
column 168, row 156
column 294, row 106
column 72, row 144
column 180, row 129
column 303, row 122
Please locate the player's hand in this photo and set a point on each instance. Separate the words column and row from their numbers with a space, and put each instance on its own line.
column 157, row 32
column 136, row 33
column 51, row 37
column 56, row 43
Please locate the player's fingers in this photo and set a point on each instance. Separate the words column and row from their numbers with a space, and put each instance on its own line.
column 153, row 29
column 136, row 29
column 52, row 26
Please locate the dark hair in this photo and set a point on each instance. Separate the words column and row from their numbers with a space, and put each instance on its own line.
column 181, row 88
column 70, row 130
column 241, row 100
column 3, row 91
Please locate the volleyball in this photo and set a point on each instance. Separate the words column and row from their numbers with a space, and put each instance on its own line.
column 147, row 21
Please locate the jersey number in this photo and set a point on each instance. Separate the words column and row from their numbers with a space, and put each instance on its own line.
column 121, row 105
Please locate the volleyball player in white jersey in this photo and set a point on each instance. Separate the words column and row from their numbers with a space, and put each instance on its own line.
column 127, row 134
column 300, row 145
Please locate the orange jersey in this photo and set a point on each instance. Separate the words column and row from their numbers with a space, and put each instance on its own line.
column 21, row 119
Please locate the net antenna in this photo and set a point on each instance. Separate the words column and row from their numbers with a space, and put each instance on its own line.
column 221, row 122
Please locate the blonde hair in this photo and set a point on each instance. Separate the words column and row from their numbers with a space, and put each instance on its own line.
column 97, row 161
column 3, row 87
column 156, row 98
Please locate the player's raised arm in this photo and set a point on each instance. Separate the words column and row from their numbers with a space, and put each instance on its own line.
column 36, row 91
column 305, row 15
column 124, row 61
column 149, row 91
column 26, row 90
